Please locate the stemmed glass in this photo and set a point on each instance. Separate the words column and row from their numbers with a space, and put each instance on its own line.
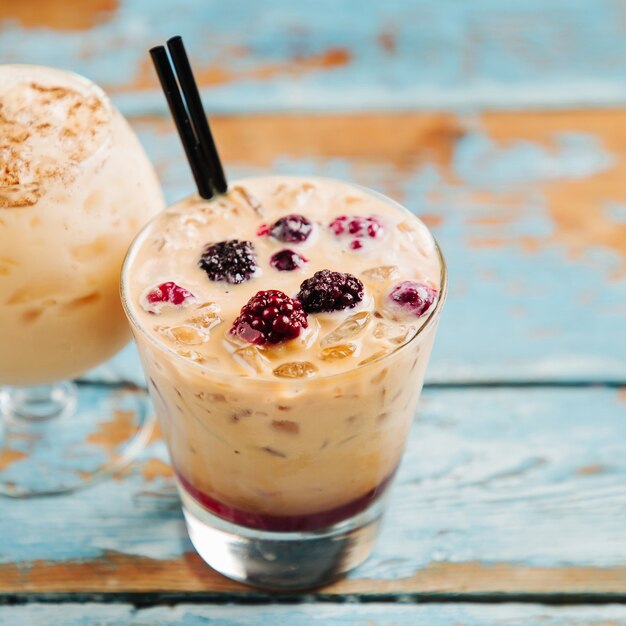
column 75, row 187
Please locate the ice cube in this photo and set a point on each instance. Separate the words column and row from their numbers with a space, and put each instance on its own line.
column 382, row 272
column 395, row 333
column 405, row 227
column 208, row 306
column 340, row 351
column 242, row 197
column 210, row 397
column 42, row 292
column 352, row 199
column 158, row 243
column 295, row 369
column 252, row 358
column 348, row 329
column 32, row 315
column 194, row 355
column 379, row 377
column 187, row 335
column 194, row 219
column 204, row 320
column 6, row 266
column 274, row 452
column 94, row 250
column 374, row 357
column 286, row 426
column 179, row 230
column 83, row 300
column 294, row 197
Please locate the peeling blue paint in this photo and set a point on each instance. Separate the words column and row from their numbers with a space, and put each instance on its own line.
column 615, row 212
column 479, row 162
column 490, row 475
column 454, row 54
column 482, row 468
column 511, row 315
column 370, row 614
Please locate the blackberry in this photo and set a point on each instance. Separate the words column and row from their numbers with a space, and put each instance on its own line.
column 330, row 291
column 287, row 260
column 292, row 228
column 232, row 261
column 269, row 317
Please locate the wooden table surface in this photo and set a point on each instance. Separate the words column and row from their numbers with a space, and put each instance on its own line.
column 503, row 125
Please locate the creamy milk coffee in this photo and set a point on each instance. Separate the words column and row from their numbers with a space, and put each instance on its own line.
column 68, row 211
column 284, row 329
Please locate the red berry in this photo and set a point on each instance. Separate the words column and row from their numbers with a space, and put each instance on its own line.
column 270, row 317
column 357, row 229
column 292, row 228
column 338, row 224
column 287, row 260
column 168, row 293
column 372, row 229
column 414, row 296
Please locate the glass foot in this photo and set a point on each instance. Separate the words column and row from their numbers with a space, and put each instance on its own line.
column 60, row 438
column 281, row 560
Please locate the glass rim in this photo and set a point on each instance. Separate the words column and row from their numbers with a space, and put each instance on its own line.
column 429, row 322
column 84, row 82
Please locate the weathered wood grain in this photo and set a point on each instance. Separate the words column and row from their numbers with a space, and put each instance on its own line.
column 331, row 55
column 305, row 614
column 501, row 491
column 121, row 575
column 511, row 491
column 530, row 209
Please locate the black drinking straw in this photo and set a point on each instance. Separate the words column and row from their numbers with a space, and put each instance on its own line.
column 196, row 111
column 191, row 122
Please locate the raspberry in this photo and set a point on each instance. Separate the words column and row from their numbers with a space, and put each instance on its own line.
column 270, row 317
column 417, row 297
column 330, row 291
column 357, row 229
column 292, row 228
column 165, row 294
column 233, row 261
column 287, row 260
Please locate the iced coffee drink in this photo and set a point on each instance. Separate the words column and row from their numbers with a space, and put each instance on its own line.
column 284, row 328
column 75, row 188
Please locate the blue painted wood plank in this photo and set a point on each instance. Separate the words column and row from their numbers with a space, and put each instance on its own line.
column 305, row 614
column 332, row 55
column 526, row 207
column 503, row 490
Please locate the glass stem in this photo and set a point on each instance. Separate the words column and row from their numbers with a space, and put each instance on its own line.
column 32, row 405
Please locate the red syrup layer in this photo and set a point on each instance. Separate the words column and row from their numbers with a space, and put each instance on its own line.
column 286, row 523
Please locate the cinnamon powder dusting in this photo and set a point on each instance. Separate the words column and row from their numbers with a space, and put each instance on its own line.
column 46, row 131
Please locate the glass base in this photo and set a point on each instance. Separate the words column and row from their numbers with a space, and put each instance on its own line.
column 59, row 438
column 281, row 560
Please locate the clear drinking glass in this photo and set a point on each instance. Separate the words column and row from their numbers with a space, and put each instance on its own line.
column 317, row 497
column 75, row 188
